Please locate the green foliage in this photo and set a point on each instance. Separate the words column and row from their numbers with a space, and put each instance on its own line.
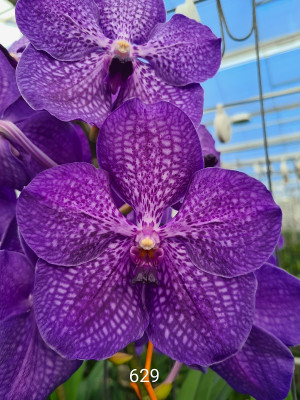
column 289, row 255
column 199, row 386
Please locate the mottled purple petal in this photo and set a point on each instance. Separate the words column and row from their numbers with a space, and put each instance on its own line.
column 146, row 85
column 280, row 243
column 7, row 207
column 18, row 47
column 85, row 146
column 263, row 368
column 29, row 369
column 66, row 30
column 210, row 154
column 57, row 139
column 32, row 257
column 67, row 90
column 278, row 304
column 167, row 215
column 273, row 260
column 151, row 151
column 9, row 91
column 229, row 222
column 16, row 284
column 18, row 111
column 13, row 173
column 130, row 19
column 90, row 311
column 67, row 216
column 182, row 51
column 195, row 317
column 10, row 239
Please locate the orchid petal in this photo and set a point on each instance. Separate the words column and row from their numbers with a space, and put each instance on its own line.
column 90, row 311
column 18, row 112
column 229, row 222
column 130, row 19
column 57, row 139
column 146, row 85
column 16, row 284
column 13, row 173
column 150, row 151
column 29, row 369
column 67, row 216
column 84, row 144
column 18, row 47
column 10, row 239
column 9, row 91
column 7, row 207
column 182, row 51
column 67, row 90
column 66, row 30
column 208, row 146
column 263, row 368
column 278, row 304
column 195, row 317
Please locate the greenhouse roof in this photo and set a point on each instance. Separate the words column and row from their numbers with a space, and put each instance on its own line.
column 236, row 84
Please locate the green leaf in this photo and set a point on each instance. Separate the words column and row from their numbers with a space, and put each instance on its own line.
column 189, row 388
column 91, row 387
column 221, row 389
column 290, row 396
column 71, row 386
column 205, row 385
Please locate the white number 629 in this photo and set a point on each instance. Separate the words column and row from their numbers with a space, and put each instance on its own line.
column 154, row 375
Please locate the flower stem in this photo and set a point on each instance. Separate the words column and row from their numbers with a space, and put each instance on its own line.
column 136, row 389
column 149, row 356
column 93, row 134
column 148, row 385
column 174, row 372
column 61, row 394
column 13, row 133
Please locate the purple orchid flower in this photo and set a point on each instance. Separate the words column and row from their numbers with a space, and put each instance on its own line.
column 29, row 369
column 87, row 57
column 210, row 154
column 264, row 367
column 198, row 305
column 31, row 141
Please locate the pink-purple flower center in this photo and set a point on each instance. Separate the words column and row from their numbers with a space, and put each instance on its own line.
column 146, row 255
column 120, row 67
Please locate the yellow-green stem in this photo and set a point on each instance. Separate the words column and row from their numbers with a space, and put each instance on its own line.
column 61, row 394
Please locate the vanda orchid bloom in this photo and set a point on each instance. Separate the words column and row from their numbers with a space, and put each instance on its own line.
column 88, row 56
column 198, row 305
